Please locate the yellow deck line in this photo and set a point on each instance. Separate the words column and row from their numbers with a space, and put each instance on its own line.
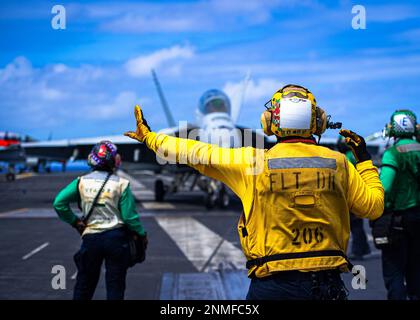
column 14, row 211
column 25, row 175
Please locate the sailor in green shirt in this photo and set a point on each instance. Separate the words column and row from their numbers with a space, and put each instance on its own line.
column 400, row 176
column 104, row 232
column 126, row 212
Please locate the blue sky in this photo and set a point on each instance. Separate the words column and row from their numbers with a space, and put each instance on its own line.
column 85, row 80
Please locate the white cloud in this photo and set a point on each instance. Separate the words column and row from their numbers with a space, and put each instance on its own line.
column 255, row 90
column 205, row 15
column 20, row 67
column 50, row 93
column 62, row 98
column 132, row 23
column 50, row 83
column 121, row 105
column 142, row 65
column 60, row 68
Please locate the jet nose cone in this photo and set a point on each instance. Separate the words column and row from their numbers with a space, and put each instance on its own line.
column 219, row 129
column 224, row 137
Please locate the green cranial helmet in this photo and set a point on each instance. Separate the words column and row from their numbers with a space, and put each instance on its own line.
column 403, row 125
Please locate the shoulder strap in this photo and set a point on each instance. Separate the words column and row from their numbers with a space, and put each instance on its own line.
column 85, row 219
column 79, row 198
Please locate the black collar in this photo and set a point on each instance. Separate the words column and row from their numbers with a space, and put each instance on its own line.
column 294, row 139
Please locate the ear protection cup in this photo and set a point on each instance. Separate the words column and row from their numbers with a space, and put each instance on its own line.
column 266, row 122
column 321, row 121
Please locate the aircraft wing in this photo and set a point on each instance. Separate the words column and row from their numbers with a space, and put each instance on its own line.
column 13, row 154
column 135, row 155
column 75, row 149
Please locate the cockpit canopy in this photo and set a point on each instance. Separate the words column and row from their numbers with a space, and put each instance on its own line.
column 214, row 101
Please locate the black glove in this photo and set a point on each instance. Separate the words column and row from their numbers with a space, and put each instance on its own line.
column 79, row 225
column 142, row 239
column 357, row 145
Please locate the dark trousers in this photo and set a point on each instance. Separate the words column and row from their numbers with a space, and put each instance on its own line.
column 295, row 285
column 401, row 261
column 359, row 245
column 111, row 246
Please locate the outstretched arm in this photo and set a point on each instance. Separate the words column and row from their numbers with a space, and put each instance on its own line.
column 230, row 166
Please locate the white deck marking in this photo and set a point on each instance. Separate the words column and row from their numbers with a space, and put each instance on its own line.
column 158, row 205
column 222, row 285
column 205, row 249
column 135, row 184
column 73, row 277
column 142, row 193
column 36, row 250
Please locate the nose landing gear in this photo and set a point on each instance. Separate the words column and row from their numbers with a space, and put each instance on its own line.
column 216, row 195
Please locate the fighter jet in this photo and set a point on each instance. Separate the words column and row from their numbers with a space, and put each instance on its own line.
column 215, row 124
column 11, row 151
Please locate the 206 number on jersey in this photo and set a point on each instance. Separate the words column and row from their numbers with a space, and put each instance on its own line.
column 307, row 235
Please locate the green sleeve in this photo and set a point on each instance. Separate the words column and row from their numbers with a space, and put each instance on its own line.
column 388, row 173
column 350, row 157
column 62, row 202
column 389, row 158
column 129, row 215
column 387, row 179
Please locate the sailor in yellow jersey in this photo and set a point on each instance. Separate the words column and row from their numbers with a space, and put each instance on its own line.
column 296, row 196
